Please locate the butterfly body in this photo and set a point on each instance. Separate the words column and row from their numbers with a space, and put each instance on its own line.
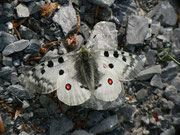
column 79, row 75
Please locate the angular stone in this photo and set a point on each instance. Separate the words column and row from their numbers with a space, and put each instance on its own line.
column 34, row 7
column 156, row 81
column 22, row 10
column 6, row 12
column 141, row 94
column 81, row 132
column 7, row 61
column 60, row 126
column 150, row 57
column 102, row 3
column 103, row 36
column 16, row 47
column 20, row 92
column 170, row 71
column 176, row 44
column 5, row 73
column 170, row 131
column 27, row 33
column 106, row 125
column 66, row 18
column 166, row 104
column 176, row 82
column 5, row 39
column 93, row 118
column 33, row 47
column 137, row 29
column 149, row 72
column 165, row 13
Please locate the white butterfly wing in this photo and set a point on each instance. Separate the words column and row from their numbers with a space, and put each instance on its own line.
column 57, row 74
column 125, row 65
column 116, row 66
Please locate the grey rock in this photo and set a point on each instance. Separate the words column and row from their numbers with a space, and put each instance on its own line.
column 166, row 104
column 126, row 113
column 27, row 33
column 20, row 92
column 170, row 90
column 6, row 12
column 33, row 47
column 145, row 120
column 34, row 7
column 16, row 47
column 5, row 73
column 60, row 126
column 106, row 125
column 165, row 34
column 150, row 57
column 5, row 39
column 171, row 94
column 51, row 106
column 137, row 29
column 156, row 81
column 1, row 89
column 103, row 36
column 169, row 72
column 25, row 104
column 165, row 13
column 176, row 82
column 41, row 112
column 14, row 78
column 81, row 132
column 17, row 62
column 170, row 131
column 176, row 43
column 94, row 117
column 66, row 18
column 141, row 94
column 25, row 0
column 85, row 31
column 22, row 11
column 155, row 27
column 102, row 3
column 23, row 133
column 7, row 61
column 148, row 72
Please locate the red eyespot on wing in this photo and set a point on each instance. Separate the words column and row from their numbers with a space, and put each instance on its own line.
column 68, row 86
column 110, row 81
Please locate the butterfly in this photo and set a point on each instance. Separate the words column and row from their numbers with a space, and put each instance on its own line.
column 79, row 75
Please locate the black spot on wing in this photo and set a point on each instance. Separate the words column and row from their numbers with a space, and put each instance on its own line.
column 106, row 53
column 60, row 59
column 116, row 54
column 111, row 65
column 50, row 63
column 42, row 71
column 61, row 72
column 124, row 58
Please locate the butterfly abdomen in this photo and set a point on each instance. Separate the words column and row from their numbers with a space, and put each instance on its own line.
column 87, row 73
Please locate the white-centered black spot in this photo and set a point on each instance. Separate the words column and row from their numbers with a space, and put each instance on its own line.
column 111, row 65
column 60, row 60
column 61, row 72
column 106, row 53
column 50, row 63
column 116, row 54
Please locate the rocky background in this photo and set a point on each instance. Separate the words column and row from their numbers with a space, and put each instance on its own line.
column 33, row 31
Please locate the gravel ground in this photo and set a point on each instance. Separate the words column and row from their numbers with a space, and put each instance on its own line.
column 35, row 31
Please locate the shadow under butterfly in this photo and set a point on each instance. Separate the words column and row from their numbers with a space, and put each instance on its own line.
column 81, row 75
